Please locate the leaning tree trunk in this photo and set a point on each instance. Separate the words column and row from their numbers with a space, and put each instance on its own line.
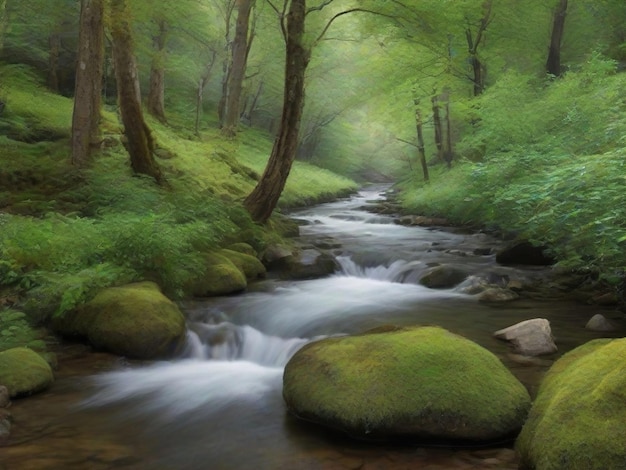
column 88, row 91
column 553, row 64
column 138, row 140
column 238, row 69
column 156, row 92
column 264, row 197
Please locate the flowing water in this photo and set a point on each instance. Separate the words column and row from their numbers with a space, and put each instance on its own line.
column 220, row 407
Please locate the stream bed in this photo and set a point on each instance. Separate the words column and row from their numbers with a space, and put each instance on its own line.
column 220, row 407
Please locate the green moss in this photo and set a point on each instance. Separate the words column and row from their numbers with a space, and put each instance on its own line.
column 243, row 248
column 136, row 320
column 16, row 331
column 24, row 372
column 420, row 381
column 221, row 277
column 250, row 266
column 578, row 419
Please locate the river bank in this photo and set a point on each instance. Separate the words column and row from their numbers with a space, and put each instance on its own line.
column 223, row 404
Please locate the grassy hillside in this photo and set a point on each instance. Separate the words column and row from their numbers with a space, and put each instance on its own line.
column 66, row 233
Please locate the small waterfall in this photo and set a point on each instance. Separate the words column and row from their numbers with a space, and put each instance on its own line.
column 398, row 271
column 228, row 342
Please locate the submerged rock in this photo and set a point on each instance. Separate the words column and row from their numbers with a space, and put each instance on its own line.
column 530, row 337
column 426, row 383
column 24, row 372
column 497, row 294
column 577, row 420
column 135, row 320
column 443, row 277
column 600, row 323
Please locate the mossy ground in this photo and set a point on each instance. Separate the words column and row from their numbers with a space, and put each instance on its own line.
column 410, row 376
column 577, row 420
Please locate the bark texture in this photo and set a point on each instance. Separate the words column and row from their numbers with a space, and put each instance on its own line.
column 419, row 124
column 156, row 93
column 88, row 91
column 238, row 68
column 264, row 198
column 553, row 64
column 138, row 140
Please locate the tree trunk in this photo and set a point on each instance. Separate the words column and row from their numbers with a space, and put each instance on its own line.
column 473, row 43
column 156, row 93
column 88, row 91
column 448, row 154
column 250, row 111
column 54, row 41
column 553, row 64
column 204, row 80
column 238, row 69
column 420, row 141
column 227, row 63
column 138, row 140
column 437, row 127
column 264, row 198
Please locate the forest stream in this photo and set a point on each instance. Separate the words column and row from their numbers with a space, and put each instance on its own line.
column 221, row 406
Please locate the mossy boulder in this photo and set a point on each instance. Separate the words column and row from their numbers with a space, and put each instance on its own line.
column 250, row 266
column 578, row 421
column 422, row 382
column 243, row 248
column 24, row 372
column 222, row 277
column 135, row 320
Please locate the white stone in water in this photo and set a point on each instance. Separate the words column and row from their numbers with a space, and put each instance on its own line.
column 530, row 337
column 600, row 323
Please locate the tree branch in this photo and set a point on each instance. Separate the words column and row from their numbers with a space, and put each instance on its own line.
column 319, row 7
column 345, row 12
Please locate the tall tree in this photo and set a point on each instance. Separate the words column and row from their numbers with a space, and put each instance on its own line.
column 88, row 92
column 474, row 40
column 138, row 139
column 553, row 64
column 264, row 198
column 156, row 91
column 226, row 12
column 240, row 52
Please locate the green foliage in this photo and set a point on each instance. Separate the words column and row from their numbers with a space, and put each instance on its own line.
column 553, row 170
column 16, row 331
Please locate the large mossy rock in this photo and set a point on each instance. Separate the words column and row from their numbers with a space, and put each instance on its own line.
column 426, row 383
column 24, row 372
column 222, row 277
column 135, row 320
column 578, row 421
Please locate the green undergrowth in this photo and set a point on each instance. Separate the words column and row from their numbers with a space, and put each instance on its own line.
column 65, row 234
column 553, row 170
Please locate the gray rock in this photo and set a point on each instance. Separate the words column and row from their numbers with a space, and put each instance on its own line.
column 530, row 337
column 497, row 294
column 443, row 277
column 600, row 323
